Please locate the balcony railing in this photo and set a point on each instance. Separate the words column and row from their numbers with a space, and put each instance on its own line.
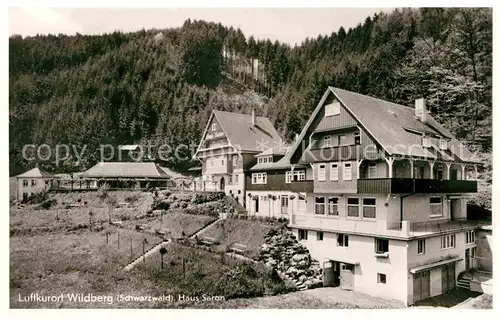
column 302, row 186
column 378, row 227
column 410, row 185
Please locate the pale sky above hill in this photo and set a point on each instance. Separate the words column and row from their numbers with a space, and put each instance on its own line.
column 290, row 25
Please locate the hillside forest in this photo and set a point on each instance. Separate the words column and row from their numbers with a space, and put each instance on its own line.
column 161, row 85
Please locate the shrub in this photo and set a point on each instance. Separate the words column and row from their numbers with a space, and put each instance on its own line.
column 47, row 204
column 132, row 198
column 103, row 191
column 36, row 198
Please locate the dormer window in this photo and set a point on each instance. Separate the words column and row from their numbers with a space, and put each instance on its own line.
column 443, row 144
column 214, row 127
column 426, row 142
column 265, row 160
column 332, row 109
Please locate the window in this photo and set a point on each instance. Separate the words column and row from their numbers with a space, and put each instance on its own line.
column 321, row 172
column 222, row 162
column 357, row 138
column 436, row 206
column 343, row 240
column 236, row 178
column 346, row 174
column 470, row 237
column 302, row 235
column 372, row 170
column 381, row 278
column 319, row 205
column 443, row 144
column 333, row 206
column 235, row 160
column 265, row 160
column 214, row 127
column 334, row 172
column 230, row 180
column 319, row 236
column 418, row 172
column 369, row 207
column 25, row 182
column 25, row 196
column 381, row 246
column 426, row 142
column 332, row 109
column 259, row 178
column 342, row 140
column 473, row 253
column 263, row 198
column 295, row 176
column 33, row 182
column 327, row 141
column 448, row 241
column 421, row 247
column 352, row 207
column 302, row 203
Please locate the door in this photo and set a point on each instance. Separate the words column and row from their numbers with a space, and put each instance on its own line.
column 467, row 259
column 284, row 204
column 222, row 184
column 453, row 174
column 451, row 276
column 421, row 285
column 347, row 276
column 257, row 204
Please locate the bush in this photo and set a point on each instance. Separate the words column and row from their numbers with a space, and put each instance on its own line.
column 103, row 191
column 47, row 204
column 36, row 198
column 132, row 198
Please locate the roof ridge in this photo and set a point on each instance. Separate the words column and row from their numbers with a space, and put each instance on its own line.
column 371, row 97
column 241, row 114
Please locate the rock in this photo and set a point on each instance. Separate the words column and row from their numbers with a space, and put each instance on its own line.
column 117, row 223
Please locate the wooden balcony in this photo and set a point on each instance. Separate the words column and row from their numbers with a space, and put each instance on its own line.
column 410, row 185
column 302, row 186
column 331, row 154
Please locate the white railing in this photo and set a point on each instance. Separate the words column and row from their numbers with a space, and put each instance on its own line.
column 351, row 225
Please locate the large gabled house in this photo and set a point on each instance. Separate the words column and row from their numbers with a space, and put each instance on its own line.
column 228, row 148
column 385, row 188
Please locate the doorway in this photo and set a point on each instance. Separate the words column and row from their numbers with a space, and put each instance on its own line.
column 421, row 285
column 222, row 184
column 448, row 277
column 256, row 205
column 346, row 276
column 284, row 204
column 467, row 259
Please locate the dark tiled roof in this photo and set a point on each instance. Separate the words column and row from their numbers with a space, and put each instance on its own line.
column 246, row 137
column 388, row 123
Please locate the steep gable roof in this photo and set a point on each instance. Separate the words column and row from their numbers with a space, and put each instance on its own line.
column 243, row 135
column 390, row 125
column 125, row 169
column 35, row 173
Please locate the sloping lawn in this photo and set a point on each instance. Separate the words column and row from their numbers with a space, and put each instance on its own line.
column 76, row 263
column 246, row 232
column 174, row 221
column 206, row 274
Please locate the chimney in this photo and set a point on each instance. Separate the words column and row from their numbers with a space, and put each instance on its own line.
column 420, row 111
column 253, row 117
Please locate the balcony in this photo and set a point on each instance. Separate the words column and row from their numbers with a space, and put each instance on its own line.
column 302, row 186
column 380, row 228
column 410, row 185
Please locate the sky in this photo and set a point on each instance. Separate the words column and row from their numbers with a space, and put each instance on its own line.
column 291, row 25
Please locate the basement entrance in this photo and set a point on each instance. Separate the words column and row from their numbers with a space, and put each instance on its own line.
column 421, row 285
column 346, row 276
